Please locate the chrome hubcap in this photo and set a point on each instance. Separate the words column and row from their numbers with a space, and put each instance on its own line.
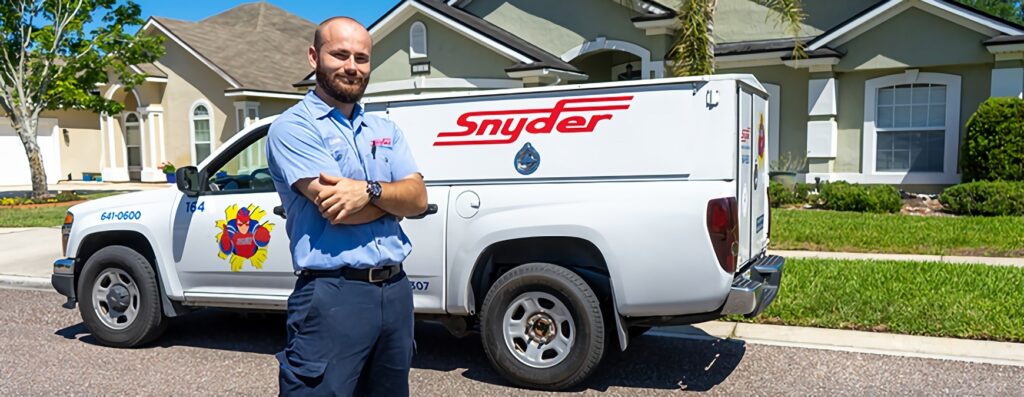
column 115, row 298
column 539, row 330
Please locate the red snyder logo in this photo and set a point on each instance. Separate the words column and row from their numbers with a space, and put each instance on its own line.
column 505, row 126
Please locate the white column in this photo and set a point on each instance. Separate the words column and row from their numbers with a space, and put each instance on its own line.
column 112, row 173
column 150, row 173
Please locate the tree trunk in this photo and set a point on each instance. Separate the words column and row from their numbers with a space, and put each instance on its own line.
column 26, row 129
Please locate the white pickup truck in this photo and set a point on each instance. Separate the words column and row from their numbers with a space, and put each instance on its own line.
column 562, row 220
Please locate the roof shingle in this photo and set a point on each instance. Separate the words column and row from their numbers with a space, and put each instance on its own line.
column 257, row 44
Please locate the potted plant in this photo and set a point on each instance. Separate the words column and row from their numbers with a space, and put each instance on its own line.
column 168, row 170
column 784, row 169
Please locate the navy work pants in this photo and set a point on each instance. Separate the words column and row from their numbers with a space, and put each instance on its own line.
column 348, row 337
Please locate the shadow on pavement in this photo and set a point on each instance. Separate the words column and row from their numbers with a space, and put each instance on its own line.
column 652, row 361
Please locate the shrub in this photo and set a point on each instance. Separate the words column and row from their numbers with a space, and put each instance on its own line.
column 993, row 147
column 985, row 198
column 843, row 196
column 779, row 195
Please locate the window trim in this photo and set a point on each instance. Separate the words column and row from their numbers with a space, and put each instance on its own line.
column 412, row 30
column 124, row 130
column 192, row 127
column 951, row 143
column 218, row 160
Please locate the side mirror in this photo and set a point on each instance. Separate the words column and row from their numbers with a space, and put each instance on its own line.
column 187, row 179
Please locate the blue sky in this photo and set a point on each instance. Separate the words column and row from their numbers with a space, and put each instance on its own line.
column 364, row 11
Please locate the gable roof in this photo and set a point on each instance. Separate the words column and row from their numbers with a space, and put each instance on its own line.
column 883, row 10
column 528, row 56
column 255, row 46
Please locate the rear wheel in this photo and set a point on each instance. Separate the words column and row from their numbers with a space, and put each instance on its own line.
column 542, row 327
column 120, row 298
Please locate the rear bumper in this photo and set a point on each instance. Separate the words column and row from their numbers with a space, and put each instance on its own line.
column 753, row 290
column 63, row 278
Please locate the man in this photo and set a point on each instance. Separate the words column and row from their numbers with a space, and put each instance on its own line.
column 345, row 178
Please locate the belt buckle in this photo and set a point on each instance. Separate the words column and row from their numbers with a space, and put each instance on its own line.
column 371, row 271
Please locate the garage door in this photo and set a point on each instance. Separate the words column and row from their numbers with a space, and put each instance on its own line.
column 13, row 163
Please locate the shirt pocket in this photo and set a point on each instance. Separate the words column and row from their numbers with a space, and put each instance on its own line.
column 378, row 163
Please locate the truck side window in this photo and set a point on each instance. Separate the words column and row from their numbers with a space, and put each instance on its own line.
column 247, row 172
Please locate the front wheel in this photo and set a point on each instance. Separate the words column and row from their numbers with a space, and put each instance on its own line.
column 120, row 298
column 542, row 327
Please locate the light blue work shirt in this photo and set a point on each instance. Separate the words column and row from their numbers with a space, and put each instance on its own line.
column 312, row 137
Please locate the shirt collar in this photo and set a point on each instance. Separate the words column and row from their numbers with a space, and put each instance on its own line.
column 321, row 109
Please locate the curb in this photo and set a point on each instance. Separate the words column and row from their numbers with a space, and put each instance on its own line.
column 967, row 350
column 24, row 282
column 977, row 260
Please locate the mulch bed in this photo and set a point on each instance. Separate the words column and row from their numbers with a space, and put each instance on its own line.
column 44, row 204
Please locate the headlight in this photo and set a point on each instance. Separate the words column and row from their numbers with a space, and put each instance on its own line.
column 65, row 232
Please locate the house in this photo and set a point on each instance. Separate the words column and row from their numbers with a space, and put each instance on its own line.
column 217, row 76
column 881, row 98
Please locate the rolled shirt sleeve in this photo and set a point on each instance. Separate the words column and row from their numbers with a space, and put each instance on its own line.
column 297, row 151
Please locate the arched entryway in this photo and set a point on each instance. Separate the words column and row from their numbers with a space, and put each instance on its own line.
column 613, row 60
column 132, row 143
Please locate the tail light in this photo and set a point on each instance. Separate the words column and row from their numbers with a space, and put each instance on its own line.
column 65, row 232
column 722, row 229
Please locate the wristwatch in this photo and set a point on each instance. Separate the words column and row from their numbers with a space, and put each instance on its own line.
column 373, row 189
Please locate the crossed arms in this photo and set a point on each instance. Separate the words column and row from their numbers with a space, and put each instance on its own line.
column 344, row 201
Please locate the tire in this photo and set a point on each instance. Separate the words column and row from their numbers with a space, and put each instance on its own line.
column 129, row 314
column 554, row 308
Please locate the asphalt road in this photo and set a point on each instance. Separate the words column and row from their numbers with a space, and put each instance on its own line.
column 45, row 350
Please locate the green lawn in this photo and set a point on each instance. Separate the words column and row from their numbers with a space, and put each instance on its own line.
column 862, row 232
column 41, row 216
column 935, row 299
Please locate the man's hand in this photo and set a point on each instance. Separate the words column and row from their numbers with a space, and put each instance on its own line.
column 340, row 197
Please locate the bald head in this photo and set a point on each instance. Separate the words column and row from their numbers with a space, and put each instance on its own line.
column 337, row 25
column 340, row 55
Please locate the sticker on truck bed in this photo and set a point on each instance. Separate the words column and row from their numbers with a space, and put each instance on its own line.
column 242, row 237
column 567, row 116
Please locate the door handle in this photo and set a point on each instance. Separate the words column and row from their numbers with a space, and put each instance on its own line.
column 431, row 209
column 279, row 211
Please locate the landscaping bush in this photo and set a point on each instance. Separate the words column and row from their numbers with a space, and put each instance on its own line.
column 779, row 195
column 843, row 196
column 985, row 198
column 993, row 148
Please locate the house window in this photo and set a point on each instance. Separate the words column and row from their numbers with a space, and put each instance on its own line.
column 910, row 124
column 418, row 40
column 911, row 127
column 133, row 140
column 202, row 142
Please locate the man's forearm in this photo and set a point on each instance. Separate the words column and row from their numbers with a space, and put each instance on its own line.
column 404, row 198
column 368, row 214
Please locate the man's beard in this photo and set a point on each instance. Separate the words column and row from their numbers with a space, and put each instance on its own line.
column 344, row 93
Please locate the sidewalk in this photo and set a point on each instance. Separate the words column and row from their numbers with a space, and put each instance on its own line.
column 982, row 260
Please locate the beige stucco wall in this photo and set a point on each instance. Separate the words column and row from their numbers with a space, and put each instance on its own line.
column 914, row 38
column 450, row 53
column 80, row 148
column 189, row 80
column 558, row 26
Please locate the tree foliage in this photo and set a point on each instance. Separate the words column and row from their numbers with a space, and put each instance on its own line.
column 51, row 58
column 694, row 50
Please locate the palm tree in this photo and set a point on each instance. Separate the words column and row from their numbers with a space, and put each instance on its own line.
column 694, row 49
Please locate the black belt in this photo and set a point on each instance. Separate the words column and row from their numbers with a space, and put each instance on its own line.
column 371, row 275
